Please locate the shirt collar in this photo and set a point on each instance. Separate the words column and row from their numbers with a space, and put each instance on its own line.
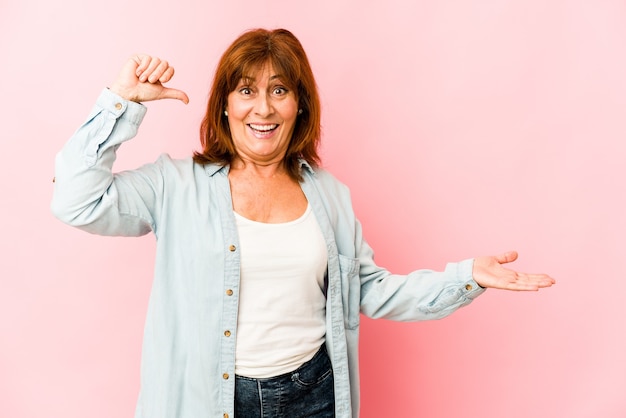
column 305, row 164
column 213, row 168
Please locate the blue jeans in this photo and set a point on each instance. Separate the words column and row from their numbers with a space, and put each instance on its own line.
column 306, row 392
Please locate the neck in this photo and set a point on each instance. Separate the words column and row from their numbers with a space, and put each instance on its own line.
column 258, row 169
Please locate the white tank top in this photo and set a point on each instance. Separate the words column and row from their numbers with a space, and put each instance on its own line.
column 282, row 307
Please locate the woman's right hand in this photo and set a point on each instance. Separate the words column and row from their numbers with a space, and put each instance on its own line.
column 141, row 79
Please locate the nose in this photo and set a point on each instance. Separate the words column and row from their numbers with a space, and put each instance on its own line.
column 263, row 106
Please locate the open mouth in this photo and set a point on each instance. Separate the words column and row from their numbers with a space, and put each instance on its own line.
column 263, row 129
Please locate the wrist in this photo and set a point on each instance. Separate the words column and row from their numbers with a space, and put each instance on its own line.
column 123, row 93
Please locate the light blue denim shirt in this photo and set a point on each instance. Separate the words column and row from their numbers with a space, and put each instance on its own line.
column 188, row 358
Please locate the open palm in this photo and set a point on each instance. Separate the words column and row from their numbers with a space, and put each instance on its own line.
column 489, row 272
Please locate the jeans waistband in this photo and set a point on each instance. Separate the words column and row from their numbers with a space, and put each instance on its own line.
column 320, row 354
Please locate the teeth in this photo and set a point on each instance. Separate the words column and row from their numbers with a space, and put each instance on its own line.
column 264, row 128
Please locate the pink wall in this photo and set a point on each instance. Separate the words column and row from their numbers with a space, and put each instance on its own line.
column 463, row 128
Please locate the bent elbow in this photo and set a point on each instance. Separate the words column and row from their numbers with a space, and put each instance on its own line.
column 73, row 212
column 63, row 212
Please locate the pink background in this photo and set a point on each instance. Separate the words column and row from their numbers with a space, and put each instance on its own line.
column 462, row 127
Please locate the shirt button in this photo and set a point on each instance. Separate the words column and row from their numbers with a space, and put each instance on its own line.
column 229, row 292
column 232, row 248
column 468, row 287
column 225, row 376
column 227, row 333
column 118, row 106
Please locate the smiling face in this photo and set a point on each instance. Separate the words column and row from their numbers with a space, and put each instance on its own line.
column 262, row 114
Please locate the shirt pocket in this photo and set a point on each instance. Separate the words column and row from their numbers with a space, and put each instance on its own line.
column 350, row 290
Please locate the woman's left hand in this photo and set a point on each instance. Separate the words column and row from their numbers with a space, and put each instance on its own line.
column 489, row 272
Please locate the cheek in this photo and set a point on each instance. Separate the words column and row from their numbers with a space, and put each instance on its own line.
column 237, row 109
column 289, row 113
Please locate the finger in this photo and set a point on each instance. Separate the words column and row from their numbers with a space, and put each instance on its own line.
column 152, row 64
column 137, row 58
column 541, row 280
column 158, row 72
column 539, row 277
column 507, row 257
column 523, row 287
column 143, row 61
column 533, row 281
column 167, row 75
column 533, row 276
column 175, row 94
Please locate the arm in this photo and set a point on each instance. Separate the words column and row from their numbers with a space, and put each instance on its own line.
column 420, row 295
column 427, row 294
column 87, row 194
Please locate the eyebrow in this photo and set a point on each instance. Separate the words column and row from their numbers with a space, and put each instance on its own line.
column 252, row 79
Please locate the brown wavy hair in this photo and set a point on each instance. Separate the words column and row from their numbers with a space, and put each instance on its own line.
column 246, row 54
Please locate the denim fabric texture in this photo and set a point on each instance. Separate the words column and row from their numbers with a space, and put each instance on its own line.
column 188, row 357
column 307, row 392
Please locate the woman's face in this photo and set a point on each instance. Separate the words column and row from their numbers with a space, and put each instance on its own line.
column 262, row 114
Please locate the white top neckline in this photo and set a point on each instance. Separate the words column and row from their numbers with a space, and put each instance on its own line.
column 301, row 218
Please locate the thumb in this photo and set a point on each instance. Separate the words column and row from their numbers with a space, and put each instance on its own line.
column 169, row 93
column 506, row 257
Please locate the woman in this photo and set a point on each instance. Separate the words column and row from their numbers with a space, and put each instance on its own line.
column 261, row 269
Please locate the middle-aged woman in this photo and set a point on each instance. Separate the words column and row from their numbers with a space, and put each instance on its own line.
column 261, row 269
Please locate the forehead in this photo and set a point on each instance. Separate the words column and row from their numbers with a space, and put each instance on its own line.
column 260, row 73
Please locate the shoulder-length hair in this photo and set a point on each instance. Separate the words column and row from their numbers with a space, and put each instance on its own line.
column 243, row 57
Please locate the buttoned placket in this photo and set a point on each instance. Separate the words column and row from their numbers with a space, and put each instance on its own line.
column 232, row 263
column 335, row 333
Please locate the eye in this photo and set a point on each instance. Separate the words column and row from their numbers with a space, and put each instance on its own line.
column 246, row 91
column 279, row 91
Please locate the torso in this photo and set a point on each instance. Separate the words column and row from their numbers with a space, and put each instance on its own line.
column 283, row 261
